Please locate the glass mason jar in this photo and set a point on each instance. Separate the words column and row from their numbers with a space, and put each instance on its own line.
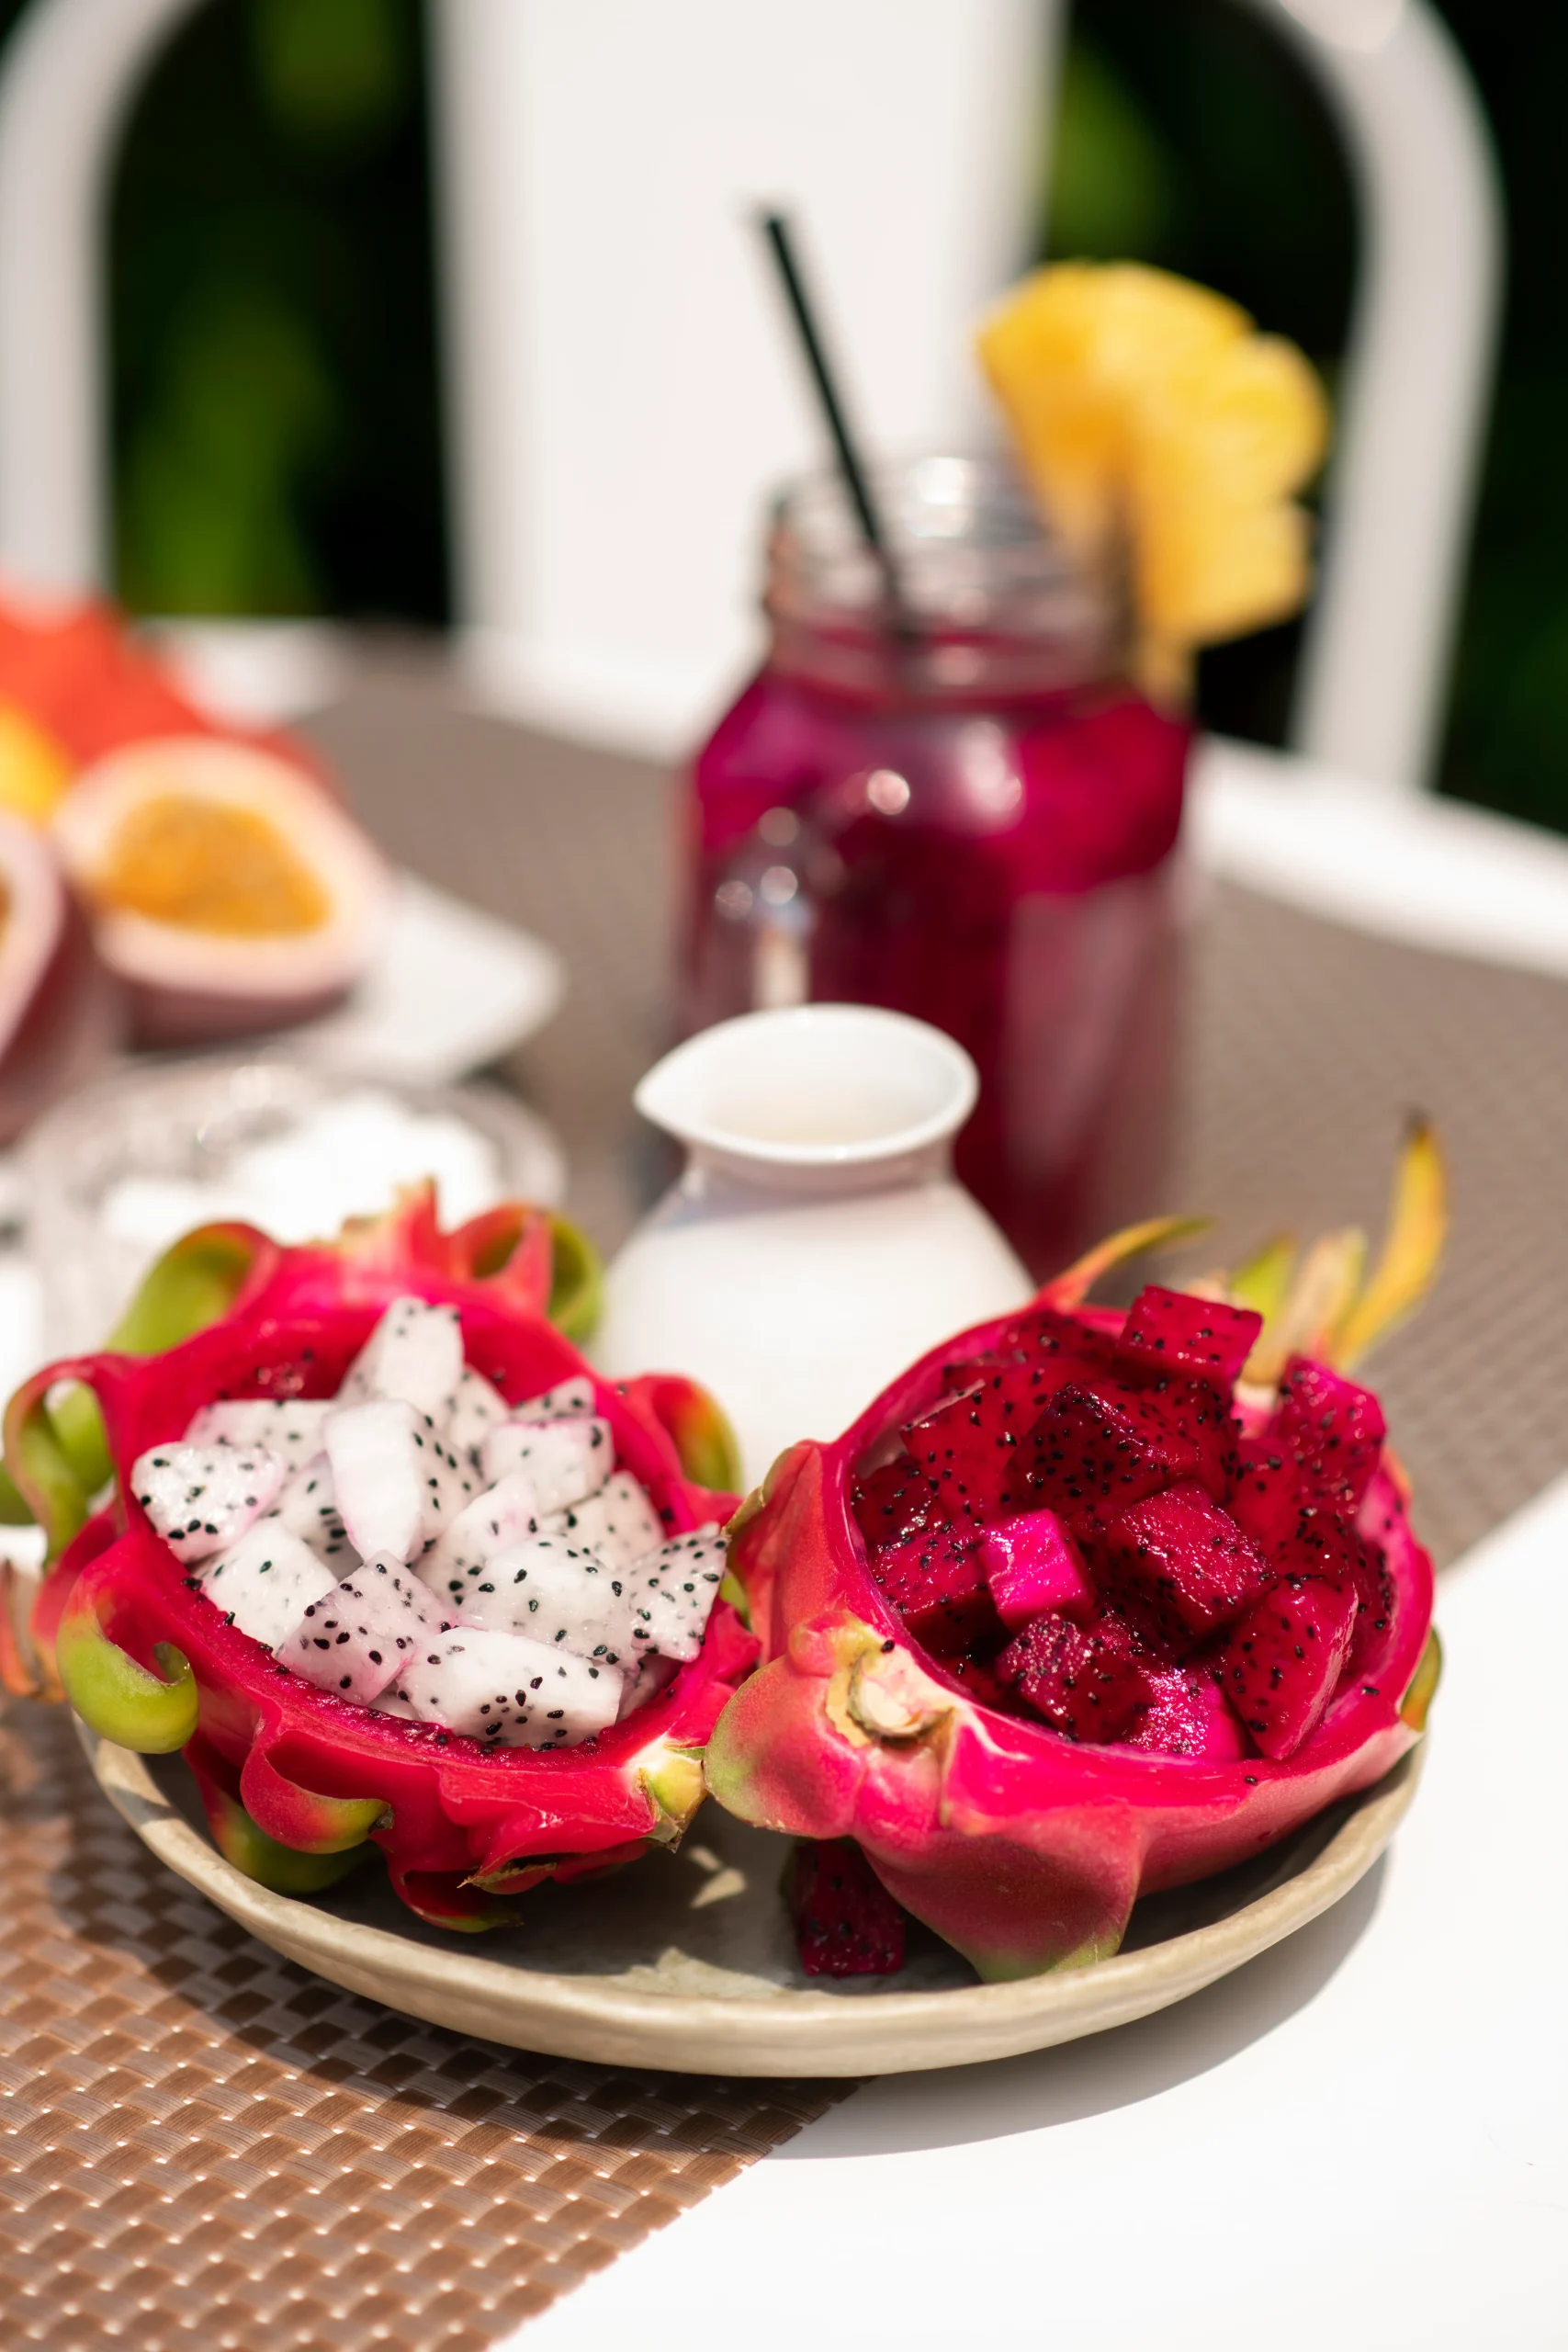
column 965, row 813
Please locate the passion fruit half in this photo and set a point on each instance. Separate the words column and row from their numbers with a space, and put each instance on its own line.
column 59, row 1014
column 228, row 893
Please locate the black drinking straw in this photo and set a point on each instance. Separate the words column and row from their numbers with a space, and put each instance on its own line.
column 852, row 466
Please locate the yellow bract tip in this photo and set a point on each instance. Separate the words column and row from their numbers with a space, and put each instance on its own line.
column 1073, row 1284
column 1412, row 1250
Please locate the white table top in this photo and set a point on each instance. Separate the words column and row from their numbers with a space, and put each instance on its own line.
column 1359, row 2141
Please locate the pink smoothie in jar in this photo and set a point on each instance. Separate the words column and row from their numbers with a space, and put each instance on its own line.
column 967, row 815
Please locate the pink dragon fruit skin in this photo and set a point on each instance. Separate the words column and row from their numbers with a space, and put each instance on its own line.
column 282, row 1765
column 1021, row 1848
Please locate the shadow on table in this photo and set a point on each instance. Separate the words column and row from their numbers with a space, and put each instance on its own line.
column 899, row 2115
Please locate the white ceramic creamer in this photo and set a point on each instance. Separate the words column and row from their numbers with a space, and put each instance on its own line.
column 817, row 1241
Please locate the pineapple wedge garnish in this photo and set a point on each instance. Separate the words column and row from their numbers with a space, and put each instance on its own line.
column 1155, row 423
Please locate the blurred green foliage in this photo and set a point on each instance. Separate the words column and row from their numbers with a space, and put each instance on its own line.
column 1113, row 182
column 338, row 74
column 275, row 414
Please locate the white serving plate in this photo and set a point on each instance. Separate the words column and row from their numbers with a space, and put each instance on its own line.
column 451, row 988
column 686, row 1961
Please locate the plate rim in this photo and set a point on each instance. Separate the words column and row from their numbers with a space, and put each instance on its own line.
column 775, row 2033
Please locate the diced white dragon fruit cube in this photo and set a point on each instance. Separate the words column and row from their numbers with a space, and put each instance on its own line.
column 566, row 1460
column 560, row 1597
column 289, row 1427
column 450, row 1485
column 673, row 1590
column 397, row 1485
column 308, row 1507
column 201, row 1498
column 501, row 1515
column 415, row 1354
column 618, row 1524
column 477, row 1408
column 393, row 1701
column 509, row 1691
column 651, row 1675
column 358, row 1638
column 377, row 1476
column 569, row 1400
column 267, row 1581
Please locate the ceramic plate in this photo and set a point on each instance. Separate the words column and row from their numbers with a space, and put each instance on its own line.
column 686, row 1961
column 451, row 988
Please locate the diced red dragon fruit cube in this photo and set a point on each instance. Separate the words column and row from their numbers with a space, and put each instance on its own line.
column 1333, row 1429
column 1090, row 1681
column 1087, row 1458
column 1281, row 1663
column 1098, row 1447
column 1323, row 1545
column 895, row 1502
column 1032, row 1564
column 1026, row 1382
column 965, row 1445
column 1064, row 1347
column 846, row 1922
column 1169, row 1330
column 1194, row 1415
column 1186, row 1561
column 1266, row 1495
column 978, row 1681
column 1188, row 1715
column 1377, row 1614
column 937, row 1583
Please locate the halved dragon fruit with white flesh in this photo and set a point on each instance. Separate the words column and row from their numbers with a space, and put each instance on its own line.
column 1074, row 1612
column 476, row 1778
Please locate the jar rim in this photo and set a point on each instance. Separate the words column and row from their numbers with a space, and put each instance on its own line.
column 979, row 569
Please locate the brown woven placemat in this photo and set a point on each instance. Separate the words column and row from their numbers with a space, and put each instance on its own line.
column 208, row 2144
column 203, row 2143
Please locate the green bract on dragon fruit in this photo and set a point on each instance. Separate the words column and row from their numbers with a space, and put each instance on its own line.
column 1089, row 1603
column 387, row 1562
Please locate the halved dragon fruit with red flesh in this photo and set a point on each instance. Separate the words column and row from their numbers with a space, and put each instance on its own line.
column 152, row 1662
column 1018, row 1797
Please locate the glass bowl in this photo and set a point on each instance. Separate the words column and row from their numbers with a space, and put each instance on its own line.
column 117, row 1171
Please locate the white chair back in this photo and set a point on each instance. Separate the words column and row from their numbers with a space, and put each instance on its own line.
column 619, row 381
